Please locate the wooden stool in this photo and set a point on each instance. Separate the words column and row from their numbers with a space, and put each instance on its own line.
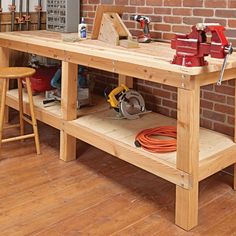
column 19, row 73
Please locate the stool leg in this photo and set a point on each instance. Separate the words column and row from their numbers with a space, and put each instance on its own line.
column 34, row 122
column 20, row 107
column 2, row 108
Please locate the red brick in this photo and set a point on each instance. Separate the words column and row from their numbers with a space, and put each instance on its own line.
column 87, row 8
column 207, row 87
column 162, row 110
column 172, row 19
column 130, row 24
column 135, row 32
column 230, row 101
column 153, row 2
column 169, row 103
column 107, row 1
column 173, row 114
column 230, row 120
column 169, row 88
column 156, row 18
column 174, row 96
column 230, row 33
column 206, row 123
column 225, row 90
column 89, row 20
column 145, row 10
column 231, row 82
column 226, row 13
column 156, row 35
column 137, row 2
column 93, row 1
column 130, row 9
column 162, row 27
column 182, row 11
column 161, row 93
column 233, row 41
column 122, row 2
column 172, row 2
column 181, row 29
column 216, row 20
column 150, row 83
column 214, row 115
column 162, row 11
column 224, row 109
column 203, row 12
column 232, row 3
column 214, row 97
column 91, row 14
column 168, row 36
column 192, row 20
column 90, row 28
column 225, row 129
column 192, row 3
column 145, row 89
column 152, row 99
column 215, row 3
column 206, row 104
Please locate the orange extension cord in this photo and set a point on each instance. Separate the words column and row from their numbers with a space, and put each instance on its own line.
column 147, row 141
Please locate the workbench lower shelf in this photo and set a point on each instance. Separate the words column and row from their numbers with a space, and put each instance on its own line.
column 96, row 126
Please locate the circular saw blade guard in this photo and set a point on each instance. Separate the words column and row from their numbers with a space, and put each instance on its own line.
column 131, row 105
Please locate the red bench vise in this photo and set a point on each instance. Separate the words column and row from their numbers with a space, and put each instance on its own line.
column 193, row 47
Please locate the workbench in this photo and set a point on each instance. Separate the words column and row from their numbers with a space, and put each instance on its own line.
column 200, row 152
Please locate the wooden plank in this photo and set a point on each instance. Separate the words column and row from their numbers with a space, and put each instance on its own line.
column 126, row 80
column 32, row 115
column 76, row 187
column 98, row 17
column 131, row 69
column 217, row 162
column 50, row 115
column 2, row 109
column 4, row 62
column 69, row 108
column 159, row 54
column 127, row 153
column 212, row 77
column 214, row 147
column 188, row 156
column 108, row 33
column 234, row 183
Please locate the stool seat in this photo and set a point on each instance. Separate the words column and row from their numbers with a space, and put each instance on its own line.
column 19, row 73
column 16, row 72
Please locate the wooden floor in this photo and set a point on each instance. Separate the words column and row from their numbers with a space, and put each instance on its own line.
column 98, row 195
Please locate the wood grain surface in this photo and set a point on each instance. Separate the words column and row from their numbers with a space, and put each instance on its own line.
column 98, row 195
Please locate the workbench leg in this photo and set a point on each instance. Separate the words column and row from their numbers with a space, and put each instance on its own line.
column 126, row 80
column 69, row 109
column 234, row 187
column 187, row 156
column 234, row 184
column 4, row 62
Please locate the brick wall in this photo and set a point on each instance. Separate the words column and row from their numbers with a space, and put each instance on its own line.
column 170, row 17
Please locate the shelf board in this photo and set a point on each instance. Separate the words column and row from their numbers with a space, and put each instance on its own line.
column 51, row 114
column 122, row 133
column 98, row 126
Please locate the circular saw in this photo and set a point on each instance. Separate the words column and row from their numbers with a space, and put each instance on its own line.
column 127, row 102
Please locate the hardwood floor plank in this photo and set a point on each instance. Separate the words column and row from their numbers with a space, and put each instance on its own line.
column 98, row 195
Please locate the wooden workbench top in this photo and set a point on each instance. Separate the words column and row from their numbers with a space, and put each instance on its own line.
column 152, row 56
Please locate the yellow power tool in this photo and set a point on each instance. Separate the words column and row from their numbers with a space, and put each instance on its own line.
column 127, row 102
